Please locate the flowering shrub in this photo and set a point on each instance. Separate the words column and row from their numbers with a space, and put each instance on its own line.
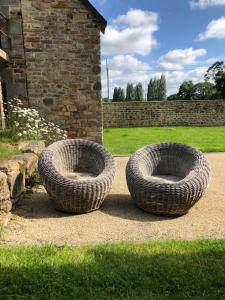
column 26, row 123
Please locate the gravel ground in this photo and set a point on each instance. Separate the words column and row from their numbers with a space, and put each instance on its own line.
column 35, row 221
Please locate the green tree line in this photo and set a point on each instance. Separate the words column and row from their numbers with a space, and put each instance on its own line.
column 213, row 87
column 157, row 91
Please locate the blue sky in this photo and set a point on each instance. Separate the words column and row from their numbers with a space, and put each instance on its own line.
column 145, row 38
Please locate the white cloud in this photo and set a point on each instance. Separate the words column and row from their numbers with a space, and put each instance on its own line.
column 132, row 33
column 176, row 78
column 206, row 3
column 178, row 58
column 214, row 30
column 126, row 68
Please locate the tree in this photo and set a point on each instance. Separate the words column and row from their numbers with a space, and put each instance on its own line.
column 139, row 93
column 205, row 91
column 173, row 97
column 118, row 95
column 199, row 91
column 130, row 96
column 115, row 95
column 121, row 94
column 187, row 90
column 157, row 89
column 150, row 90
column 153, row 90
column 216, row 73
column 162, row 88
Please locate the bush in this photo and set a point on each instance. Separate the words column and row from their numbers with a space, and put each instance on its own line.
column 27, row 124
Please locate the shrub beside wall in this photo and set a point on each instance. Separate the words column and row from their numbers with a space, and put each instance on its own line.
column 164, row 113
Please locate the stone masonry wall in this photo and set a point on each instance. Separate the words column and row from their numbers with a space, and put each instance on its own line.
column 14, row 72
column 62, row 49
column 164, row 113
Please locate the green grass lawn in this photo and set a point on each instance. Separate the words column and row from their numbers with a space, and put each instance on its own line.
column 128, row 140
column 160, row 270
column 7, row 150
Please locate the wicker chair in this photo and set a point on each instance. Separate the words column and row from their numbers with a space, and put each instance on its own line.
column 167, row 178
column 77, row 174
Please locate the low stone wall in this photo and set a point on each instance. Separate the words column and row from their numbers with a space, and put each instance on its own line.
column 14, row 173
column 164, row 113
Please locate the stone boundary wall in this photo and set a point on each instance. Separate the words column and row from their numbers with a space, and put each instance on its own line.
column 15, row 172
column 164, row 113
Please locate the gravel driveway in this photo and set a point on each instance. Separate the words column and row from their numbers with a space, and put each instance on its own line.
column 35, row 221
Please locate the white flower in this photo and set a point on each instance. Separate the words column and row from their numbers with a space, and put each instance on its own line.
column 19, row 134
column 24, row 132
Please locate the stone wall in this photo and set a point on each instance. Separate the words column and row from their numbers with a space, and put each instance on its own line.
column 164, row 113
column 13, row 74
column 15, row 173
column 55, row 62
column 62, row 46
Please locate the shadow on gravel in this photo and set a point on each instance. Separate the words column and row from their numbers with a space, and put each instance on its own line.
column 122, row 206
column 37, row 205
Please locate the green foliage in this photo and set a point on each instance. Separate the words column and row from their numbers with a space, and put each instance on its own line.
column 187, row 90
column 173, row 97
column 129, row 140
column 115, row 95
column 212, row 88
column 162, row 88
column 159, row 270
column 204, row 91
column 130, row 95
column 216, row 73
column 200, row 91
column 157, row 89
column 122, row 94
column 118, row 95
column 7, row 150
column 139, row 93
column 151, row 94
column 27, row 124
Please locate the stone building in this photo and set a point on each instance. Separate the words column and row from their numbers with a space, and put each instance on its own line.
column 50, row 58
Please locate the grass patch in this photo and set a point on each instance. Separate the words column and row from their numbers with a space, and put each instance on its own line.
column 7, row 150
column 128, row 140
column 7, row 136
column 160, row 270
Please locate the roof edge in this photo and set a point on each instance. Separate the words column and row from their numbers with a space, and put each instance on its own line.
column 96, row 13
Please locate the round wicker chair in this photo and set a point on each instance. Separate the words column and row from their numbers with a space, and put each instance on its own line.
column 77, row 174
column 167, row 178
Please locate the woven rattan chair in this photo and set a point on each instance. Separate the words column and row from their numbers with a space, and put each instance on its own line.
column 77, row 174
column 167, row 178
